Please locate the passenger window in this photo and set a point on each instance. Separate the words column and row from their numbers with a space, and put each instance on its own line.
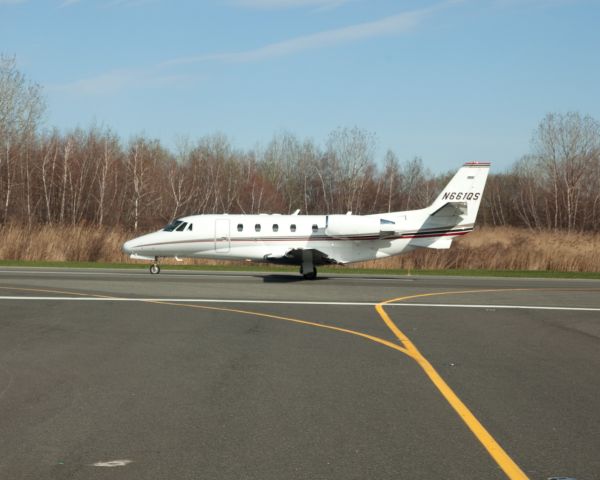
column 315, row 227
column 240, row 227
column 257, row 227
column 181, row 227
column 275, row 227
column 293, row 227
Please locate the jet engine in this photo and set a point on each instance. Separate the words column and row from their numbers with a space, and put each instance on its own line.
column 349, row 225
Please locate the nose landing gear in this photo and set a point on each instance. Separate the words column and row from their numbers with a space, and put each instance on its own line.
column 155, row 267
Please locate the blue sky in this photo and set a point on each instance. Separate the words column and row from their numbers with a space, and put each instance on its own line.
column 450, row 81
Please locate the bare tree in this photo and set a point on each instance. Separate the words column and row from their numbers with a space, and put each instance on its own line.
column 350, row 153
column 179, row 189
column 68, row 147
column 50, row 151
column 139, row 178
column 21, row 108
column 106, row 161
column 414, row 177
column 556, row 177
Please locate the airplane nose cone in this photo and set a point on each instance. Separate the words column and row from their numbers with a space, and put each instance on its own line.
column 128, row 247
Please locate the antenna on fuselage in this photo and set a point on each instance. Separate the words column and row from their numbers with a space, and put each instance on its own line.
column 296, row 212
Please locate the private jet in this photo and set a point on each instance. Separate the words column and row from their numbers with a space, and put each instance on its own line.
column 313, row 240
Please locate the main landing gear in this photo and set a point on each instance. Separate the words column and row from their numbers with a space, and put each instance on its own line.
column 309, row 275
column 155, row 267
column 307, row 269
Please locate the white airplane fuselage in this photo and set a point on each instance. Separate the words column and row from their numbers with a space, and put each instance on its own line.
column 237, row 237
column 310, row 240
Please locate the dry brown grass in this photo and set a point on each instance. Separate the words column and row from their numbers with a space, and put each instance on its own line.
column 53, row 243
column 488, row 248
column 507, row 248
column 74, row 244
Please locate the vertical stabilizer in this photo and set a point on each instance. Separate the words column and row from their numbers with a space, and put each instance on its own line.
column 461, row 198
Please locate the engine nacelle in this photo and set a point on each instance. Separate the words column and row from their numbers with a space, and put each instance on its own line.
column 346, row 225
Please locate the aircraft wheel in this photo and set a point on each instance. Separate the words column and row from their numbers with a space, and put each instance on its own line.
column 310, row 276
column 154, row 269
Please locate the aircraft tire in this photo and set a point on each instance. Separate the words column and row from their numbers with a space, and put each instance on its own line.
column 154, row 269
column 310, row 276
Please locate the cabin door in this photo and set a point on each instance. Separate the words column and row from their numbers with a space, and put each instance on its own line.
column 222, row 239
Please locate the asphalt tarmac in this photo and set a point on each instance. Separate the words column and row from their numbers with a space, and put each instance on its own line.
column 190, row 375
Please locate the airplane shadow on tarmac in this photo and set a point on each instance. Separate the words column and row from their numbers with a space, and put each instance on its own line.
column 283, row 278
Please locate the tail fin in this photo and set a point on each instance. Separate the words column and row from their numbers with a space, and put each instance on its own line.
column 461, row 197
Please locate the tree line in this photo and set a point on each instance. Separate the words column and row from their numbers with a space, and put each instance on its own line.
column 91, row 176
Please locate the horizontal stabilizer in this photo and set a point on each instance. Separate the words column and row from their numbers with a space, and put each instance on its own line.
column 451, row 209
column 437, row 243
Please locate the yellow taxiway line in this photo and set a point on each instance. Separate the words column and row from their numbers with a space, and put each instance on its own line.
column 366, row 336
column 510, row 468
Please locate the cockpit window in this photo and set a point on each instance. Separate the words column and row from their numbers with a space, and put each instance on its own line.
column 190, row 227
column 173, row 225
column 181, row 227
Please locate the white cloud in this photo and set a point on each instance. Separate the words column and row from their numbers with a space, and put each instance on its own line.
column 539, row 3
column 68, row 3
column 391, row 25
column 129, row 3
column 116, row 80
column 156, row 76
column 274, row 4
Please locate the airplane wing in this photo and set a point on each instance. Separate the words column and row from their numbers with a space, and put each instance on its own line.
column 294, row 256
column 137, row 256
column 451, row 209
